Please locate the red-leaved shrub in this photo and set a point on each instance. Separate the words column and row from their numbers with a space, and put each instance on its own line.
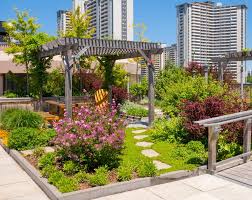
column 213, row 107
column 119, row 94
column 91, row 82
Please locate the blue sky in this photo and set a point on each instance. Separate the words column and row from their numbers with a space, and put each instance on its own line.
column 158, row 15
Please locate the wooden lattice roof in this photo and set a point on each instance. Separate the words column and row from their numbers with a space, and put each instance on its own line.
column 94, row 47
column 234, row 56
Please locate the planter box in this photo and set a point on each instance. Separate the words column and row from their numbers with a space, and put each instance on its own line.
column 96, row 192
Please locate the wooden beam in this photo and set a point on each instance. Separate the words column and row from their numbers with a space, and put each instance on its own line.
column 247, row 113
column 151, row 92
column 68, row 82
column 212, row 146
column 247, row 139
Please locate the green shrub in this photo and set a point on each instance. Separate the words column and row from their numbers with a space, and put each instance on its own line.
column 139, row 90
column 9, row 94
column 100, row 177
column 170, row 130
column 70, row 168
column 134, row 109
column 146, row 168
column 81, row 177
column 227, row 150
column 55, row 177
column 196, row 146
column 38, row 152
column 173, row 85
column 16, row 118
column 29, row 138
column 46, row 160
column 124, row 173
column 48, row 170
column 65, row 184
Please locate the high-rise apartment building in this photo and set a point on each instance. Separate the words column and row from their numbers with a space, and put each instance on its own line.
column 160, row 60
column 111, row 18
column 63, row 21
column 206, row 30
column 170, row 54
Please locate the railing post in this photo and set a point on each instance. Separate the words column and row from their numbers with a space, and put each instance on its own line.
column 247, row 138
column 212, row 146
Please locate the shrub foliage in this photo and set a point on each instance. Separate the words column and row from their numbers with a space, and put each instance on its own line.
column 16, row 118
column 92, row 137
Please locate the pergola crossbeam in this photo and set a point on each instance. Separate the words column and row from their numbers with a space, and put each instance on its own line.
column 232, row 56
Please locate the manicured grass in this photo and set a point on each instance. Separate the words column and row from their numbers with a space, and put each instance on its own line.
column 176, row 155
column 131, row 153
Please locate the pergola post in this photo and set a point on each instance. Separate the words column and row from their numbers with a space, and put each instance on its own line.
column 67, row 56
column 206, row 73
column 151, row 93
column 220, row 72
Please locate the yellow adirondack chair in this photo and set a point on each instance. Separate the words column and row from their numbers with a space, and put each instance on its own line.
column 101, row 99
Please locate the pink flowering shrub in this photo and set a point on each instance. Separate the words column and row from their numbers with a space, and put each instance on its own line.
column 92, row 138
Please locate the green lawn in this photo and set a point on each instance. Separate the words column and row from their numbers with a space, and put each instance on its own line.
column 179, row 156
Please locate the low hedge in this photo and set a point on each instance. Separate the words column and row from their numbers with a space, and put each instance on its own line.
column 15, row 118
column 29, row 138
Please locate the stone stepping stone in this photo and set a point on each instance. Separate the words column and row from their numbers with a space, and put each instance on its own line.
column 140, row 137
column 150, row 153
column 136, row 126
column 30, row 152
column 138, row 131
column 144, row 144
column 159, row 165
column 49, row 149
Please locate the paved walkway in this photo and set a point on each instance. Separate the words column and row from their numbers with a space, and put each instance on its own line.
column 15, row 184
column 204, row 187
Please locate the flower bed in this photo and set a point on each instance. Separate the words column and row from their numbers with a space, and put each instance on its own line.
column 4, row 137
column 89, row 152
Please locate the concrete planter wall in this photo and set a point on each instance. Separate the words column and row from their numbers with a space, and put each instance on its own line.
column 96, row 192
column 23, row 102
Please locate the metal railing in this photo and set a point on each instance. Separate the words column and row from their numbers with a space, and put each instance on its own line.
column 214, row 127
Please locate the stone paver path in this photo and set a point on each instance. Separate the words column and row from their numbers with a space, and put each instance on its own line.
column 140, row 137
column 204, row 187
column 138, row 131
column 15, row 184
column 150, row 153
column 137, row 126
column 144, row 144
column 159, row 165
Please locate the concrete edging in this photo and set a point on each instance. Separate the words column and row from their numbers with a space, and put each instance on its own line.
column 96, row 192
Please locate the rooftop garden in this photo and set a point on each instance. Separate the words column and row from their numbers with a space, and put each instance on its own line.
column 96, row 147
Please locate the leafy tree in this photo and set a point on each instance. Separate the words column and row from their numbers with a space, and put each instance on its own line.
column 80, row 28
column 26, row 48
column 139, row 90
column 140, row 30
column 39, row 66
column 120, row 76
column 20, row 30
column 55, row 82
column 80, row 25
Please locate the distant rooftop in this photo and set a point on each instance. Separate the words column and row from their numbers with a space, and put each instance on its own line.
column 217, row 4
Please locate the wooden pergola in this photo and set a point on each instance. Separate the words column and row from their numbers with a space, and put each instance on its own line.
column 71, row 49
column 232, row 56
